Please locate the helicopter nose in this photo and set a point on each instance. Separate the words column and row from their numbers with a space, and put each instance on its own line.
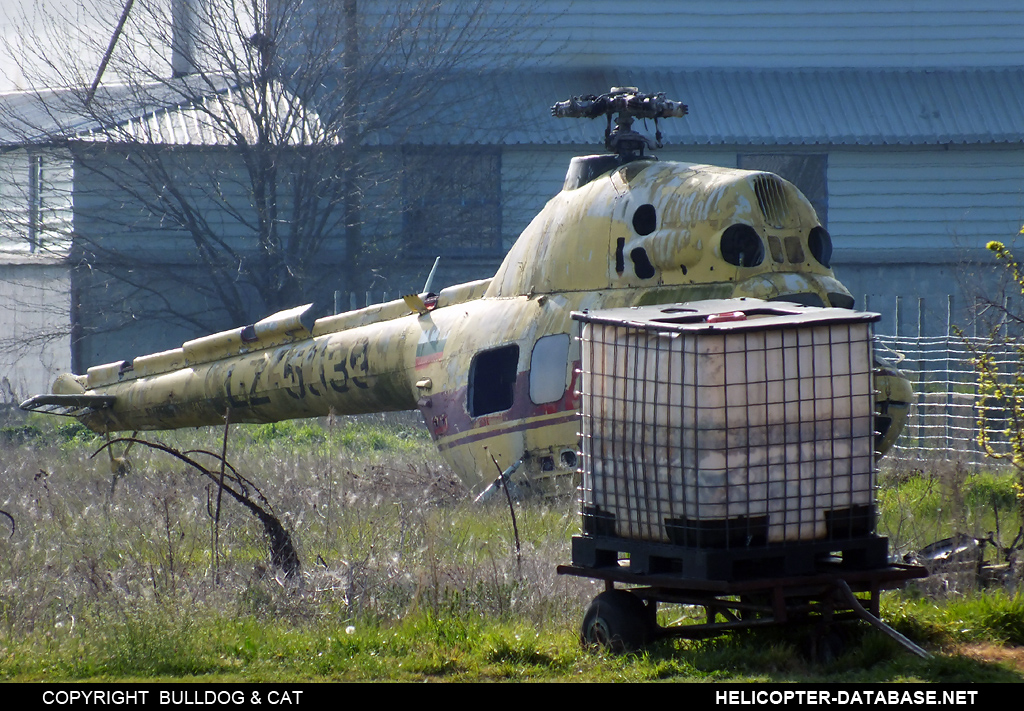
column 805, row 289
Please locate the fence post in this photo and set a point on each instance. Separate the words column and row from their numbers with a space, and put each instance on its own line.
column 925, row 380
column 899, row 304
column 949, row 375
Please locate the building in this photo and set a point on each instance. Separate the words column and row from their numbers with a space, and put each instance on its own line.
column 104, row 215
column 902, row 121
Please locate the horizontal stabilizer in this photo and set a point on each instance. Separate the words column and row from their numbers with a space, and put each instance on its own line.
column 68, row 405
column 416, row 303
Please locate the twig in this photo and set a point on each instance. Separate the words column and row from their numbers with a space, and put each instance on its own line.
column 282, row 550
column 220, row 493
column 512, row 510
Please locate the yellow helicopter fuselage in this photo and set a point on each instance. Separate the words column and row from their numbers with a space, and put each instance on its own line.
column 492, row 364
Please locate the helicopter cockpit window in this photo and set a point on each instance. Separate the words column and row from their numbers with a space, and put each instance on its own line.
column 742, row 247
column 548, row 368
column 492, row 380
column 794, row 249
column 820, row 243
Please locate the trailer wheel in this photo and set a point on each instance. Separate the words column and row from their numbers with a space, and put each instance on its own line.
column 826, row 644
column 617, row 620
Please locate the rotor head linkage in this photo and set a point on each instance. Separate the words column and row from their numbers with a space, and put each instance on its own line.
column 626, row 103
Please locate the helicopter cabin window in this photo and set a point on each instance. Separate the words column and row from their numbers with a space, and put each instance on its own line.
column 492, row 380
column 548, row 368
column 452, row 201
column 808, row 172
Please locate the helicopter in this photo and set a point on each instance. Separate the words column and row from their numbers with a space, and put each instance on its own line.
column 492, row 365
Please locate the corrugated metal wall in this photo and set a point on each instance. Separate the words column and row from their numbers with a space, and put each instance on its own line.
column 689, row 34
column 922, row 202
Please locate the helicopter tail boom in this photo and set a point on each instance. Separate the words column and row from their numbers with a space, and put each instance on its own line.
column 259, row 374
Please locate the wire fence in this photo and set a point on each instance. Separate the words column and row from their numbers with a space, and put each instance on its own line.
column 948, row 408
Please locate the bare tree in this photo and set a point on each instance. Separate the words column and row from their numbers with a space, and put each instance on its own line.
column 226, row 153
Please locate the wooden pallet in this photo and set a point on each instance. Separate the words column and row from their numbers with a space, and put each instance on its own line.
column 736, row 563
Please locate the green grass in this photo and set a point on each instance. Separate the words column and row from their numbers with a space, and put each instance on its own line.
column 919, row 506
column 992, row 616
column 403, row 578
column 349, row 435
column 182, row 642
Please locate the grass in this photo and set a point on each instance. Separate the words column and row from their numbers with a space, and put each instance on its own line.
column 403, row 578
column 181, row 642
column 922, row 503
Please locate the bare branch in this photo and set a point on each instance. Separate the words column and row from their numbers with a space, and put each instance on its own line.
column 263, row 178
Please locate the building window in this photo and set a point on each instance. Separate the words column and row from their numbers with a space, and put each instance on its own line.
column 35, row 202
column 452, row 199
column 808, row 172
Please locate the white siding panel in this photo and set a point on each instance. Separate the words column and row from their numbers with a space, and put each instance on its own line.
column 56, row 202
column 14, row 201
column 924, row 200
column 35, row 327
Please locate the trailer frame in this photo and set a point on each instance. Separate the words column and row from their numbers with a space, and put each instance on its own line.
column 625, row 618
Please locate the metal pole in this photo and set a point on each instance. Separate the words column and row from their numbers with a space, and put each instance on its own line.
column 951, row 446
column 919, row 348
column 899, row 304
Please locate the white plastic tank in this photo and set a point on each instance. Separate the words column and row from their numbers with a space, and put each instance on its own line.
column 728, row 422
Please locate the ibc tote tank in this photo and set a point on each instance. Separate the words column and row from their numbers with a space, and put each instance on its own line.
column 727, row 423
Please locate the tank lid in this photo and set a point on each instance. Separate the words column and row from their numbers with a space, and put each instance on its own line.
column 717, row 315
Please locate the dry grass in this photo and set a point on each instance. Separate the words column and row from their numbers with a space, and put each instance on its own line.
column 105, row 576
column 381, row 535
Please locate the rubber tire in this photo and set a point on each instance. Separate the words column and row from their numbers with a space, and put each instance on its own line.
column 617, row 620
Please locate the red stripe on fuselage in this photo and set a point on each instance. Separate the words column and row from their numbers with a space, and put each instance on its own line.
column 523, row 415
column 520, row 425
